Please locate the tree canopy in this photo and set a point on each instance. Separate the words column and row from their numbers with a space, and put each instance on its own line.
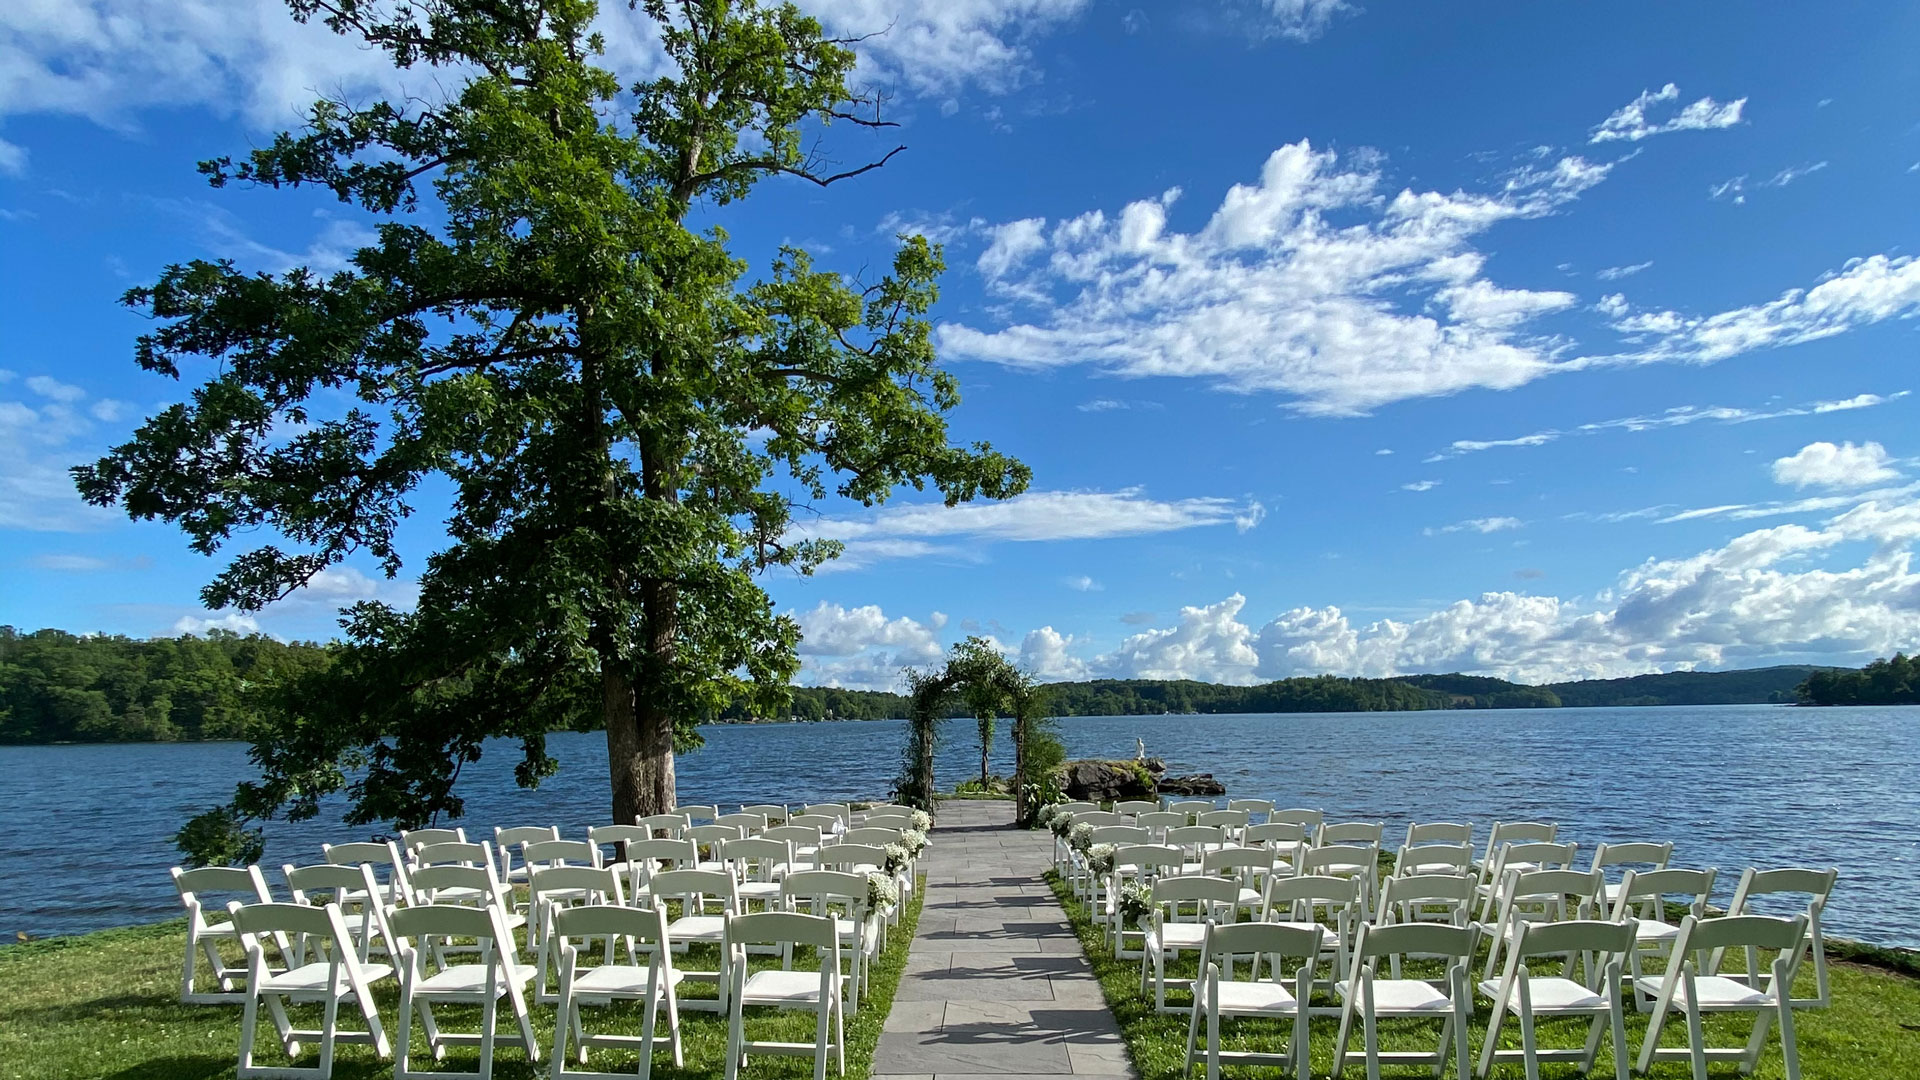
column 1894, row 681
column 552, row 321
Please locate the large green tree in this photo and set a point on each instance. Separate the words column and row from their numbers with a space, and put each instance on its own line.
column 552, row 321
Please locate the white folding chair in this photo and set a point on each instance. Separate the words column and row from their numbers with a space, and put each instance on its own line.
column 612, row 840
column 757, row 864
column 1158, row 822
column 655, row 984
column 1144, row 864
column 1433, row 858
column 1287, row 839
column 1503, row 834
column 1136, row 807
column 1643, row 898
column 1543, row 896
column 1685, row 989
column 708, row 839
column 1248, row 867
column 205, row 934
column 349, row 888
column 506, row 841
column 1428, row 898
column 453, row 853
column 1632, row 856
column 1251, row 806
column 707, row 898
column 1183, row 908
column 1235, row 822
column 424, row 935
column 559, row 888
column 1359, row 862
column 805, row 840
column 786, row 988
column 695, row 813
column 335, row 975
column 645, row 858
column 748, row 824
column 1521, row 859
column 1191, row 807
column 1816, row 886
column 412, row 840
column 1219, row 996
column 667, row 826
column 839, row 811
column 1329, row 902
column 842, row 897
column 775, row 813
column 1421, row 833
column 1310, row 820
column 1530, row 997
column 1368, row 996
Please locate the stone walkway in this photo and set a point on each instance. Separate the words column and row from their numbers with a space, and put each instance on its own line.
column 996, row 985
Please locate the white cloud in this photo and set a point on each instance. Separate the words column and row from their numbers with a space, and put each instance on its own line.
column 1082, row 583
column 1300, row 20
column 1383, row 452
column 1482, row 525
column 860, row 648
column 1822, row 464
column 1615, row 273
column 1678, row 416
column 49, row 387
column 1420, row 485
column 1315, row 283
column 236, row 621
column 108, row 60
column 1634, row 120
column 1737, row 187
column 1208, row 643
column 70, row 564
column 13, row 159
column 38, row 443
column 904, row 531
column 1011, row 245
column 1044, row 653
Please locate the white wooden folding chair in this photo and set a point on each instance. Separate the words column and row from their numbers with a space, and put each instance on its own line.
column 1643, row 897
column 425, row 936
column 1310, row 820
column 207, row 927
column 1522, row 859
column 1197, row 840
column 347, row 887
column 667, row 826
column 1136, row 807
column 805, row 840
column 1433, row 857
column 1248, row 867
column 1143, row 864
column 1530, row 997
column 839, row 811
column 1425, row 898
column 454, row 853
column 1422, row 833
column 655, row 984
column 645, row 858
column 1329, row 902
column 1816, row 886
column 558, row 888
column 507, row 841
column 1191, row 807
column 786, row 988
column 1684, row 988
column 748, row 824
column 325, row 966
column 1369, row 997
column 1503, row 834
column 612, row 840
column 695, row 813
column 842, row 897
column 1183, row 908
column 707, row 898
column 383, row 858
column 775, row 813
column 757, row 864
column 1157, row 823
column 1262, row 807
column 1287, row 839
column 708, row 839
column 1630, row 856
column 1219, row 996
column 412, row 840
column 1543, row 896
column 1235, row 822
column 1359, row 862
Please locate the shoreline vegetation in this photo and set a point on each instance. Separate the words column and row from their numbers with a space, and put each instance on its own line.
column 57, row 687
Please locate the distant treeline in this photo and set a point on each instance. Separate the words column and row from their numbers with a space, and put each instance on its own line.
column 59, row 687
column 1883, row 682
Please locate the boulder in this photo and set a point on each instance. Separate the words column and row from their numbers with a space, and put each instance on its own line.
column 1197, row 784
column 1105, row 781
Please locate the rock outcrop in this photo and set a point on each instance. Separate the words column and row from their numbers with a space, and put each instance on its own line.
column 1097, row 780
column 1197, row 784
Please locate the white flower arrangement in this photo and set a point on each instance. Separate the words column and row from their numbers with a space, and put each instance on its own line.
column 1100, row 858
column 897, row 858
column 1046, row 815
column 1080, row 837
column 914, row 841
column 1061, row 824
column 922, row 821
column 881, row 892
column 1134, row 903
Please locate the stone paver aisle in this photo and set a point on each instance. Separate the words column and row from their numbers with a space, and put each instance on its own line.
column 996, row 984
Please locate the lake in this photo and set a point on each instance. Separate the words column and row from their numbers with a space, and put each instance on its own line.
column 89, row 827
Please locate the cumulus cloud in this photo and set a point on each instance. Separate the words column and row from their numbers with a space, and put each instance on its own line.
column 910, row 531
column 1677, row 416
column 1636, row 119
column 1044, row 654
column 1208, row 643
column 1315, row 282
column 1822, row 464
column 860, row 648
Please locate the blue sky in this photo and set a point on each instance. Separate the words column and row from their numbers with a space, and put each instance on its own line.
column 1537, row 340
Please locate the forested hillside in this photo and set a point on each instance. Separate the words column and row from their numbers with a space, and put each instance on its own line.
column 1883, row 682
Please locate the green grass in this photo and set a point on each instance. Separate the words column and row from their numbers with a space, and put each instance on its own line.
column 106, row 1005
column 1872, row 1031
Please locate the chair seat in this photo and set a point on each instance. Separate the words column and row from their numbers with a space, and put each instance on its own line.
column 1255, row 997
column 467, row 980
column 312, row 978
column 1716, row 992
column 1431, row 868
column 1178, row 935
column 1550, row 994
column 781, row 988
column 1412, row 997
column 617, row 980
column 457, row 894
column 1655, row 930
column 759, row 890
column 697, row 928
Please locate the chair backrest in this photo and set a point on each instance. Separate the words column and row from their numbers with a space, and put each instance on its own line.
column 874, row 835
column 889, row 808
column 429, row 881
column 1263, row 939
column 798, row 835
column 667, row 825
column 318, row 928
column 1078, row 807
column 710, row 837
column 889, row 820
column 690, row 885
column 594, row 884
column 1149, row 860
column 696, row 813
column 1649, row 890
column 378, row 853
column 1430, row 858
column 1191, row 806
column 1312, row 819
column 1439, row 832
column 1545, row 854
column 1161, row 819
column 1229, row 819
column 454, row 853
column 1136, row 807
column 1415, row 939
column 1556, row 894
column 815, row 889
column 1241, row 863
column 675, row 853
column 1196, row 899
column 756, row 858
column 414, row 927
column 850, row 855
column 1277, row 834
column 1097, row 818
column 1651, row 856
column 305, row 883
column 242, row 880
column 613, row 835
column 1339, row 857
column 561, row 853
column 1572, row 935
column 1416, row 892
column 522, row 834
column 786, row 928
column 748, row 824
column 1817, row 885
column 826, row 823
column 1251, row 806
column 646, row 926
column 1515, row 832
column 415, row 839
column 1787, row 934
column 1122, row 834
column 1301, row 898
column 773, row 812
column 841, row 811
column 1196, row 836
column 1352, row 832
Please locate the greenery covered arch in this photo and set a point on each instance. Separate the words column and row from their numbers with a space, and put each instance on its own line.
column 990, row 686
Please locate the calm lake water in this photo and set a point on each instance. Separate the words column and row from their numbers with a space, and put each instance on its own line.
column 1732, row 786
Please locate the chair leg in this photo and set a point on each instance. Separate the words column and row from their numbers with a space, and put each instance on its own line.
column 1696, row 1038
column 329, row 1028
column 1193, row 1037
column 249, row 1020
column 1788, row 1048
column 1213, row 1023
column 1529, row 1050
column 822, row 1027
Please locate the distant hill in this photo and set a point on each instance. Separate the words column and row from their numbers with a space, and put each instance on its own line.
column 1749, row 686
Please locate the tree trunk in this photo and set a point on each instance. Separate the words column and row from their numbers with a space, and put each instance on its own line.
column 639, row 752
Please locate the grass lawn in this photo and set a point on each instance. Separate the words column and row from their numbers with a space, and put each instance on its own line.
column 107, row 1005
column 1872, row 1031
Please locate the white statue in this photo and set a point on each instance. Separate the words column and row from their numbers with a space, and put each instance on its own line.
column 1139, row 748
